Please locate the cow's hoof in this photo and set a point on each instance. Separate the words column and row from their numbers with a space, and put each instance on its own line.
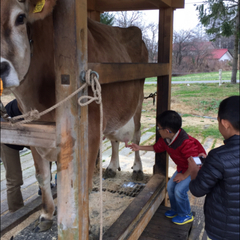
column 42, row 225
column 137, row 175
column 109, row 173
column 55, row 212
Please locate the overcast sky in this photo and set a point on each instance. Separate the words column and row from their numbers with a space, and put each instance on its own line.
column 184, row 19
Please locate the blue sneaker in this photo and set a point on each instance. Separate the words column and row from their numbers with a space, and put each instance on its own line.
column 183, row 220
column 170, row 214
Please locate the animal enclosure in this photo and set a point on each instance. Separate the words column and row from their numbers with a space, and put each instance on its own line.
column 72, row 120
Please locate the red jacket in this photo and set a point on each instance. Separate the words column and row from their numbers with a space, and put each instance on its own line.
column 183, row 147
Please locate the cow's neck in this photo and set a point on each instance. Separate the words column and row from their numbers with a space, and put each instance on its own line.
column 37, row 90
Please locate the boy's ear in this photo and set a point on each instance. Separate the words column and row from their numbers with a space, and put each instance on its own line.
column 225, row 123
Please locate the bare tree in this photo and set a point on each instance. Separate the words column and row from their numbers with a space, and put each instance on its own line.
column 192, row 51
column 181, row 44
column 200, row 52
column 128, row 18
column 150, row 37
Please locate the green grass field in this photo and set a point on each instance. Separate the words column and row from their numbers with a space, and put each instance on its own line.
column 197, row 99
column 226, row 75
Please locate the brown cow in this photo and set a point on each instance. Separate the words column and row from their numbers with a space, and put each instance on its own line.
column 32, row 80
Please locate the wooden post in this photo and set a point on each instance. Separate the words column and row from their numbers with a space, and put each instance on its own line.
column 164, row 82
column 220, row 77
column 70, row 51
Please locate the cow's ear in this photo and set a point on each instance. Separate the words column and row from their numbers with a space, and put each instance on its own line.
column 39, row 9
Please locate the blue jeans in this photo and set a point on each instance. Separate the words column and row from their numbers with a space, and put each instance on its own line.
column 178, row 196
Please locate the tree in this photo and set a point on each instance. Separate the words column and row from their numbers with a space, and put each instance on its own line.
column 221, row 18
column 191, row 50
column 150, row 37
column 107, row 18
column 129, row 18
column 181, row 44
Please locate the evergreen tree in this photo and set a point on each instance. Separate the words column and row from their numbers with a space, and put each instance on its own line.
column 221, row 18
column 107, row 18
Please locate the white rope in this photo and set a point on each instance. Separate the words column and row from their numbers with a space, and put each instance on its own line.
column 96, row 88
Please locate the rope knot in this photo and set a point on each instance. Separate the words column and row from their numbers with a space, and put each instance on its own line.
column 33, row 115
column 92, row 80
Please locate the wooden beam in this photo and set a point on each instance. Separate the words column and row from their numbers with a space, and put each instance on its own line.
column 94, row 15
column 164, row 82
column 34, row 134
column 126, row 5
column 70, row 55
column 136, row 216
column 116, row 72
column 178, row 3
column 174, row 3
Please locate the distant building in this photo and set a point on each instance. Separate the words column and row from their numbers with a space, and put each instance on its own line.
column 221, row 55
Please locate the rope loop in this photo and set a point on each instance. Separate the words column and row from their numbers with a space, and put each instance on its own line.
column 92, row 80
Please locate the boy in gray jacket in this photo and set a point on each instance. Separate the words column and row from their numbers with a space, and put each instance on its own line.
column 219, row 177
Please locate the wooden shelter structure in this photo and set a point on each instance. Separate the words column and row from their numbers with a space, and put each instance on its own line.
column 70, row 19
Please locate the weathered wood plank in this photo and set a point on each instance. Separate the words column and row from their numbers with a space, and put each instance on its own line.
column 163, row 228
column 177, row 3
column 10, row 220
column 147, row 217
column 134, row 214
column 164, row 82
column 34, row 134
column 126, row 5
column 70, row 59
column 116, row 72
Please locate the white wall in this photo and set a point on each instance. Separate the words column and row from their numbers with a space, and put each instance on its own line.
column 226, row 56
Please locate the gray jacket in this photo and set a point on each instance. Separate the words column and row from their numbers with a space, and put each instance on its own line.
column 219, row 180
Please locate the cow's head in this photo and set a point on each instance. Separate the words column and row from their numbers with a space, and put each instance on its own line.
column 15, row 42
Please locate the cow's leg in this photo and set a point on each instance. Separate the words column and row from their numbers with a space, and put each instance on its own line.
column 137, row 165
column 137, row 174
column 43, row 176
column 114, row 163
column 93, row 148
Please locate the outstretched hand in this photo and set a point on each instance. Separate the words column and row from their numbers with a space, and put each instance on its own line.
column 133, row 146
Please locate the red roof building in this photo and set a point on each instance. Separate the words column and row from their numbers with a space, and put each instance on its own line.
column 221, row 54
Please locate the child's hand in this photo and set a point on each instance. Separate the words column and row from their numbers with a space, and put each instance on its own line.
column 193, row 168
column 202, row 155
column 133, row 146
column 179, row 177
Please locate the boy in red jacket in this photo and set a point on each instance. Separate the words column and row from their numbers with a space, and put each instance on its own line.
column 180, row 146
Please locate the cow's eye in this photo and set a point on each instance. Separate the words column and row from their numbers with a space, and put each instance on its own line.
column 20, row 19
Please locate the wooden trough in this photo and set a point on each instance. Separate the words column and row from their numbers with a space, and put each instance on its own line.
column 73, row 193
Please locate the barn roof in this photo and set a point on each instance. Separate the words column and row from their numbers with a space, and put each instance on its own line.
column 218, row 53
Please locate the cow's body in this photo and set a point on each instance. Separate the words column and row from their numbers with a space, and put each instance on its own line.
column 122, row 102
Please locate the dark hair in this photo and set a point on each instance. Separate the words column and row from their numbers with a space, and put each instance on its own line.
column 229, row 110
column 170, row 119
